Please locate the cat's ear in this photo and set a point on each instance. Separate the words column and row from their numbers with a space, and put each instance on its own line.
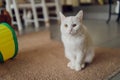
column 62, row 16
column 80, row 15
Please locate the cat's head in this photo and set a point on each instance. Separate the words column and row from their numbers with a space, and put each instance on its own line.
column 71, row 25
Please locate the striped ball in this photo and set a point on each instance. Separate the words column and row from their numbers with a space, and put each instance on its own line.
column 8, row 42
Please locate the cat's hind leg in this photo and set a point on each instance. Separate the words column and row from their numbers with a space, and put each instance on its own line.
column 89, row 56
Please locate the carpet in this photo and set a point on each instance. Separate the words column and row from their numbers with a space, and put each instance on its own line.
column 41, row 58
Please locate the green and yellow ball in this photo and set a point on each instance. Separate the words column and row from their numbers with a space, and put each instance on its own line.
column 8, row 42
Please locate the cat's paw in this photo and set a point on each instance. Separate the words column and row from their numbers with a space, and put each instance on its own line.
column 79, row 67
column 70, row 65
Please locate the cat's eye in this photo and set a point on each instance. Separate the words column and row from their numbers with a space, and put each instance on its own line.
column 66, row 25
column 73, row 25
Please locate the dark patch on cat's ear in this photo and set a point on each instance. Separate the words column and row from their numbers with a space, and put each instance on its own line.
column 80, row 15
column 62, row 16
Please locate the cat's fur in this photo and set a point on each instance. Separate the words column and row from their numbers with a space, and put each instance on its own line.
column 77, row 42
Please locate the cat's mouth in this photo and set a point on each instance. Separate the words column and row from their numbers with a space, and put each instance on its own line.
column 72, row 33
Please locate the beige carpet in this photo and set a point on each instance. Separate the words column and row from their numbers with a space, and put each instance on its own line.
column 40, row 58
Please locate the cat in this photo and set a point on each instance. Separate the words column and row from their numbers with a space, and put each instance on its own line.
column 77, row 41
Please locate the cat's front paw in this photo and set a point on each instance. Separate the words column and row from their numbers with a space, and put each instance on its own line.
column 70, row 65
column 79, row 67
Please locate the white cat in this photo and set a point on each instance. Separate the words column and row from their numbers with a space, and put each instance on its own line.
column 77, row 42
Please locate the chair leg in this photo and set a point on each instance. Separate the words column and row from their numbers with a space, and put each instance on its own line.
column 8, row 7
column 45, row 14
column 24, row 18
column 109, row 17
column 58, row 8
column 118, row 18
column 34, row 14
column 17, row 16
column 110, row 7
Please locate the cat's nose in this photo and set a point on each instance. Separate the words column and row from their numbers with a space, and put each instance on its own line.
column 70, row 31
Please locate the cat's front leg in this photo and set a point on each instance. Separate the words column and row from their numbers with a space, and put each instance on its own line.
column 79, row 63
column 71, row 63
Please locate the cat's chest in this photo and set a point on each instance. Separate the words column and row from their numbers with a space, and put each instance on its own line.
column 73, row 41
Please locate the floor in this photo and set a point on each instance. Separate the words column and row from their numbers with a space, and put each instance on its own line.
column 103, row 35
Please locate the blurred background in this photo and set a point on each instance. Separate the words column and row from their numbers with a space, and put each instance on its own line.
column 101, row 17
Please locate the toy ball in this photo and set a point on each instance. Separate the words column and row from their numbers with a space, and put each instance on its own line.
column 8, row 42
